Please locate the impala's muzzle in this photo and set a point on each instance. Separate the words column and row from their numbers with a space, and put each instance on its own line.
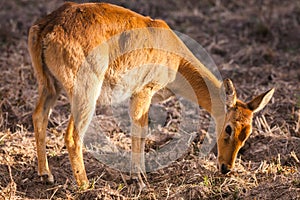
column 224, row 169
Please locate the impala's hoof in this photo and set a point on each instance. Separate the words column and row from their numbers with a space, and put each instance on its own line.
column 47, row 178
column 138, row 181
column 85, row 186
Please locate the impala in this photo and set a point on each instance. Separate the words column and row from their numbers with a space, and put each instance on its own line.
column 85, row 50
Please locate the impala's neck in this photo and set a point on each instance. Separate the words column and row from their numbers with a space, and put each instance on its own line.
column 206, row 87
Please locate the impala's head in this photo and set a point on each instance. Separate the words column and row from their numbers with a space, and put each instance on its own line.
column 237, row 125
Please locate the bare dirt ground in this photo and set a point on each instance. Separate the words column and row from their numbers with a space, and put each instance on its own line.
column 255, row 43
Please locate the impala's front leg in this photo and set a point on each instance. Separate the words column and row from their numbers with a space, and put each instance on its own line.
column 137, row 154
column 139, row 107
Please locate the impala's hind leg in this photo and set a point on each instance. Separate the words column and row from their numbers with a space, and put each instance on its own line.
column 139, row 106
column 83, row 103
column 47, row 98
column 73, row 140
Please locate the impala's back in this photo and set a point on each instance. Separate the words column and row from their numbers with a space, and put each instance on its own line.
column 68, row 35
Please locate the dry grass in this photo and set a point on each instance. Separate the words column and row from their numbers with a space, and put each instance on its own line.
column 255, row 44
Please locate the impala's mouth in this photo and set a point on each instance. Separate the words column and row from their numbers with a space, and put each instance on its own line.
column 224, row 169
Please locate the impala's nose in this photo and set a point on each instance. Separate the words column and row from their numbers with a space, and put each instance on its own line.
column 224, row 169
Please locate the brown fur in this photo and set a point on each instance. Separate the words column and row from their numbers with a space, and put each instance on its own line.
column 85, row 49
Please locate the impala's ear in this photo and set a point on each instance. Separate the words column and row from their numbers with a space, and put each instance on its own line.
column 230, row 93
column 261, row 101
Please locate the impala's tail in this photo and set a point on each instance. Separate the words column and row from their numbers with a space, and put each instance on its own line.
column 35, row 47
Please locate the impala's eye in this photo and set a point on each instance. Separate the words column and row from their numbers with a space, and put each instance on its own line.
column 228, row 129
